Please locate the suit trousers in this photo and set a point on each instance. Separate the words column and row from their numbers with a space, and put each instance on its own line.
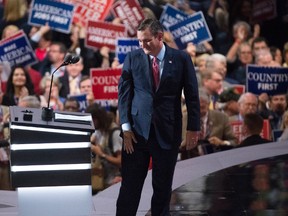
column 134, row 171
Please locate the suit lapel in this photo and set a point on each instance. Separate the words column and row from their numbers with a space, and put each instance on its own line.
column 147, row 68
column 168, row 61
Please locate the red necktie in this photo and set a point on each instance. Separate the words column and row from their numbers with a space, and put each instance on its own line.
column 156, row 75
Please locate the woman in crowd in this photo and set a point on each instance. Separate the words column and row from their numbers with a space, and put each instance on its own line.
column 284, row 127
column 19, row 85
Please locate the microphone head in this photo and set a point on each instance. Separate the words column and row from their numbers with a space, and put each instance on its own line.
column 67, row 60
column 74, row 59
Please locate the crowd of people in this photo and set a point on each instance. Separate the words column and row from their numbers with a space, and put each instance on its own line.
column 220, row 65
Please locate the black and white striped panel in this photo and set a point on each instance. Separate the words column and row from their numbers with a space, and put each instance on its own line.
column 49, row 157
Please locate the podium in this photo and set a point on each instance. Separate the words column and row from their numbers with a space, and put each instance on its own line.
column 51, row 162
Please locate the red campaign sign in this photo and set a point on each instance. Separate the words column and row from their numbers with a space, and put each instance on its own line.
column 266, row 132
column 105, row 83
column 101, row 34
column 237, row 128
column 264, row 10
column 131, row 14
column 239, row 88
column 85, row 10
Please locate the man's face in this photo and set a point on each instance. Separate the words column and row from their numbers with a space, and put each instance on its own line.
column 54, row 54
column 259, row 46
column 71, row 106
column 75, row 70
column 150, row 44
column 214, row 84
column 245, row 55
column 249, row 105
column 278, row 103
column 86, row 86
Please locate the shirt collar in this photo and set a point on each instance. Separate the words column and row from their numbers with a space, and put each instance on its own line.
column 161, row 54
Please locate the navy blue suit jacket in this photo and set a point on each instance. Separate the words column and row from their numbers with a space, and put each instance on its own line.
column 140, row 105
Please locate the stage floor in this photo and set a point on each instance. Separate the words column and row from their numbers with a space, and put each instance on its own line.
column 248, row 181
column 254, row 188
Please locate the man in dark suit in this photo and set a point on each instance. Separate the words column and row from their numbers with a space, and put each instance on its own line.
column 151, row 118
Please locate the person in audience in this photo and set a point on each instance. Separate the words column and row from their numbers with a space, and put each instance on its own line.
column 71, row 79
column 252, row 127
column 191, row 50
column 259, row 43
column 71, row 105
column 276, row 55
column 106, row 143
column 277, row 107
column 212, row 81
column 248, row 103
column 238, row 68
column 30, row 101
column 285, row 55
column 55, row 57
column 216, row 132
column 228, row 102
column 85, row 86
column 15, row 13
column 55, row 101
column 200, row 66
column 218, row 63
column 19, row 85
column 9, row 31
column 241, row 33
column 40, row 39
column 284, row 127
column 264, row 58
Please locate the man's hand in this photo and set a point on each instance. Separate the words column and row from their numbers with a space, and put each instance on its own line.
column 128, row 139
column 191, row 139
column 215, row 141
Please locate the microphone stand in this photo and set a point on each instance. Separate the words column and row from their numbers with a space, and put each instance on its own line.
column 47, row 112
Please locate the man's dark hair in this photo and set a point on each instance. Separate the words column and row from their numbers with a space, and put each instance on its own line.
column 62, row 47
column 253, row 122
column 71, row 99
column 258, row 40
column 154, row 25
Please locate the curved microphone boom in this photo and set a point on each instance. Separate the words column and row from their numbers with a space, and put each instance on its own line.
column 47, row 112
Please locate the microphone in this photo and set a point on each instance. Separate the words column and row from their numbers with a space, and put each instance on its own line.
column 47, row 112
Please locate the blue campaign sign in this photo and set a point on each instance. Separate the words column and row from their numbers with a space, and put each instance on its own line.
column 58, row 15
column 171, row 15
column 194, row 29
column 17, row 50
column 125, row 45
column 270, row 80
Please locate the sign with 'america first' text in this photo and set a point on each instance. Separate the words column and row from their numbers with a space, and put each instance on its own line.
column 17, row 50
column 56, row 14
column 270, row 80
column 194, row 29
column 105, row 83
